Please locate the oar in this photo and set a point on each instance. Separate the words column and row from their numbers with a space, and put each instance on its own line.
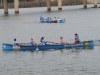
column 57, row 43
column 24, row 44
column 53, row 42
column 96, row 42
column 37, row 48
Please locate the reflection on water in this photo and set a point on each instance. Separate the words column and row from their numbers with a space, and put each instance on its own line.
column 48, row 50
column 50, row 61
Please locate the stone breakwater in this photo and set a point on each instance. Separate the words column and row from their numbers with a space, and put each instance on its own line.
column 43, row 3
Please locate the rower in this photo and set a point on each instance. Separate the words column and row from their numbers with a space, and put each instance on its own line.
column 47, row 19
column 51, row 19
column 61, row 41
column 42, row 18
column 76, row 39
column 42, row 41
column 58, row 20
column 15, row 43
column 32, row 42
column 55, row 18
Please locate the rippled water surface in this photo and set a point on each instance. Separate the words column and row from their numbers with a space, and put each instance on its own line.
column 25, row 25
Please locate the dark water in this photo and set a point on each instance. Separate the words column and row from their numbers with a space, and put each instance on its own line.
column 25, row 25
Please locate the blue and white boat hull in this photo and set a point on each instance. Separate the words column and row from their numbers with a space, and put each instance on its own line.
column 44, row 47
column 54, row 21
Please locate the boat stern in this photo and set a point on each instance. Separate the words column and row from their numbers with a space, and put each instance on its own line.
column 89, row 43
column 7, row 47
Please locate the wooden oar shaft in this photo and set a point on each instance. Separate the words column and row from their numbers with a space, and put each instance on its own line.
column 53, row 42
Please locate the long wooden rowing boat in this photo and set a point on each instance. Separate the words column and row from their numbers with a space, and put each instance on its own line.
column 23, row 46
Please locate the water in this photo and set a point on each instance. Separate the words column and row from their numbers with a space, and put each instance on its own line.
column 25, row 25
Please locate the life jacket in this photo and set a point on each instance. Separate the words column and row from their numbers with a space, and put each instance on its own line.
column 78, row 39
column 75, row 39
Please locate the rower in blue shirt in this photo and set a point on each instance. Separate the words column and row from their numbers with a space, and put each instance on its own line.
column 42, row 41
column 47, row 19
column 32, row 42
column 42, row 18
column 51, row 19
column 15, row 43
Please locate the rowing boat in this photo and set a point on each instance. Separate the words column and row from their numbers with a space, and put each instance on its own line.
column 49, row 20
column 6, row 46
column 53, row 21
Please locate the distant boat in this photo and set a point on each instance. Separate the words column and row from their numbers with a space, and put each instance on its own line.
column 49, row 20
column 23, row 46
column 54, row 21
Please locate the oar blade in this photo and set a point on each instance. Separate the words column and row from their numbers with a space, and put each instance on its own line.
column 97, row 42
column 37, row 49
